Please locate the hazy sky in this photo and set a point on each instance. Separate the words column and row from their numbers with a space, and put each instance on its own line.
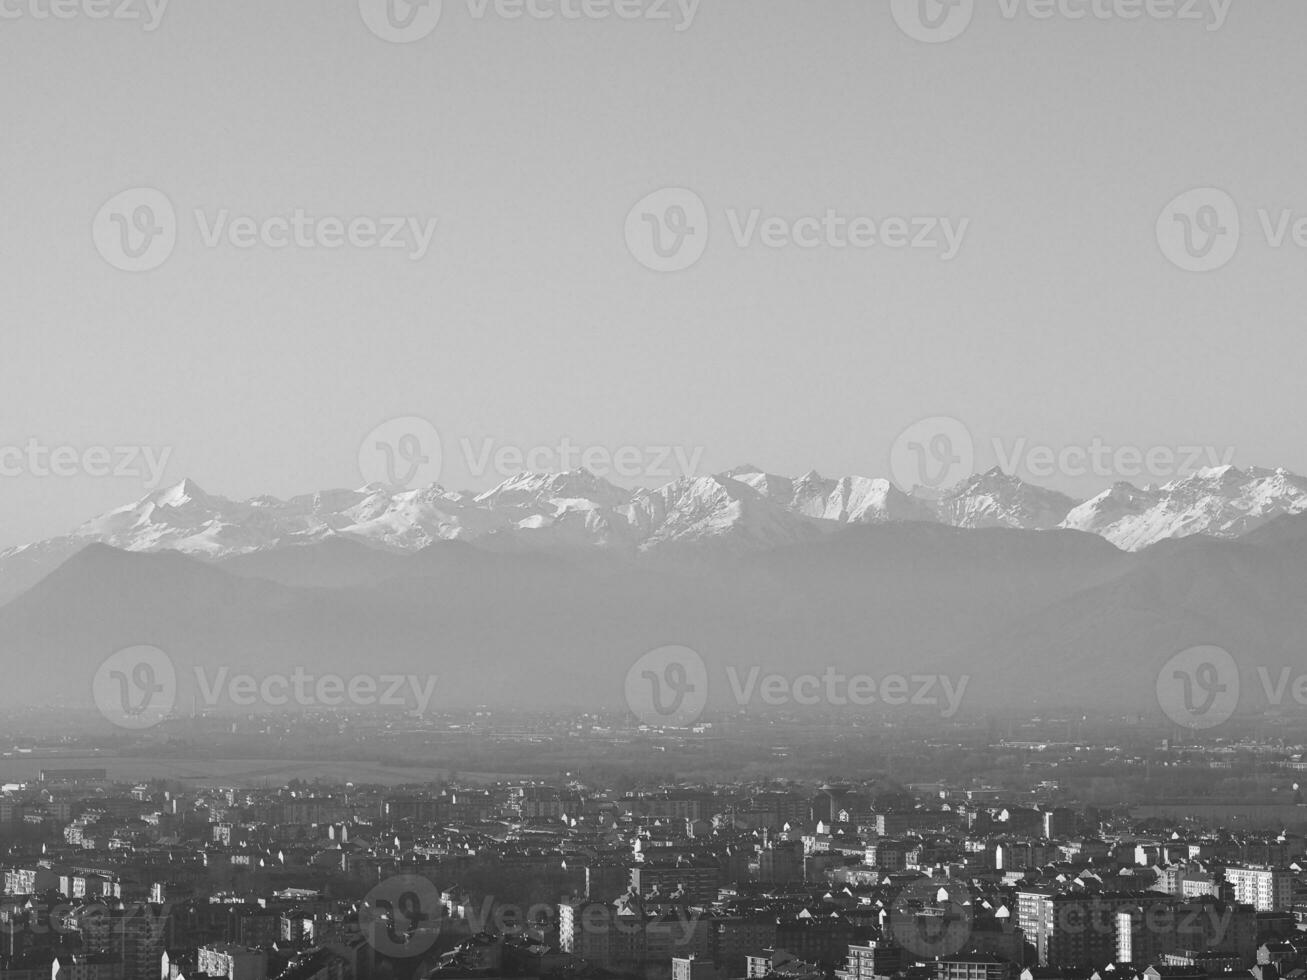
column 528, row 321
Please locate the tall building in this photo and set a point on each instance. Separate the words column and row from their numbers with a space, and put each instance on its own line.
column 625, row 938
column 697, row 881
column 1072, row 929
column 874, row 961
column 1146, row 935
column 233, row 962
column 1265, row 889
column 781, row 861
column 693, row 968
column 86, row 966
column 974, row 966
column 735, row 937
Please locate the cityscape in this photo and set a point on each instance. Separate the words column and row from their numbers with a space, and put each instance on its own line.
column 653, row 490
column 1032, row 848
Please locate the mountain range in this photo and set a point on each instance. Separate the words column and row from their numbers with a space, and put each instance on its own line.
column 547, row 588
column 743, row 509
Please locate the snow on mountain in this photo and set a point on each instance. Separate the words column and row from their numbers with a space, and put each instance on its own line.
column 546, row 491
column 742, row 509
column 184, row 518
column 414, row 519
column 858, row 500
column 715, row 508
column 851, row 500
column 996, row 499
column 1223, row 502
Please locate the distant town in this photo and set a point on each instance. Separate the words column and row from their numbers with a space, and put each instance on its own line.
column 499, row 844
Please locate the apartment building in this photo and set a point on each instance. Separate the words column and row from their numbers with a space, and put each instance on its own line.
column 1265, row 889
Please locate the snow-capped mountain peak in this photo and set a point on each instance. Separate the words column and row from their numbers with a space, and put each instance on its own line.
column 743, row 508
column 180, row 494
column 1221, row 501
column 999, row 499
column 536, row 488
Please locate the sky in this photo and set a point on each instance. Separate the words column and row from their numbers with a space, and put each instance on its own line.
column 533, row 314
